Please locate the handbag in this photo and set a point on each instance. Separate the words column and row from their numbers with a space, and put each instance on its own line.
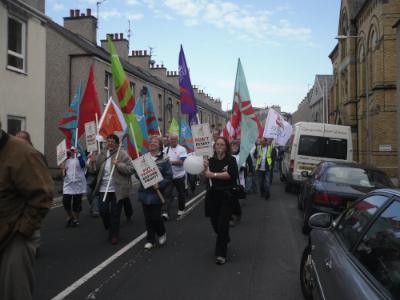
column 238, row 190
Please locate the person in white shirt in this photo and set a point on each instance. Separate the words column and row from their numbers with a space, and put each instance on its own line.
column 74, row 186
column 177, row 154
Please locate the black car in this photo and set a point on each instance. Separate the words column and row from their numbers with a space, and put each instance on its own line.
column 357, row 255
column 333, row 186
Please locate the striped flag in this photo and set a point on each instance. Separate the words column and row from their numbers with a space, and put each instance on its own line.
column 125, row 98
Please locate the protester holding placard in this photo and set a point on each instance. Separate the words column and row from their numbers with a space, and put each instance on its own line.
column 74, row 186
column 114, row 168
column 222, row 170
column 150, row 199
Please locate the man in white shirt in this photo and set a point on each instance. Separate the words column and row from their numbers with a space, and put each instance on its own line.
column 177, row 154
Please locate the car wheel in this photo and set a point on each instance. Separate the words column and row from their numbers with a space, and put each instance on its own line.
column 306, row 216
column 305, row 274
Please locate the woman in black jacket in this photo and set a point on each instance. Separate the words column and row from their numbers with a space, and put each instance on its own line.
column 222, row 171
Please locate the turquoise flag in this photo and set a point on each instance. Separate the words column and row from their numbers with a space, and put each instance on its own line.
column 248, row 124
column 141, row 120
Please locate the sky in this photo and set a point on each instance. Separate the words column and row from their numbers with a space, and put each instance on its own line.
column 282, row 44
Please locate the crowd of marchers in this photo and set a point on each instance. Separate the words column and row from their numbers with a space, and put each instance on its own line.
column 105, row 178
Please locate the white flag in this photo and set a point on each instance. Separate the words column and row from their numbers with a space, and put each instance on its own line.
column 274, row 124
column 284, row 134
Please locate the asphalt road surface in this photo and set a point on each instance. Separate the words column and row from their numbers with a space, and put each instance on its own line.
column 263, row 256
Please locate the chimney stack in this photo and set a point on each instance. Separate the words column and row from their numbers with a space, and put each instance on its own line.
column 121, row 44
column 84, row 25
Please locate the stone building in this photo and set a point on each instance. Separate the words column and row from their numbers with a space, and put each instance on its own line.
column 319, row 98
column 363, row 94
column 23, row 67
column 72, row 48
column 303, row 112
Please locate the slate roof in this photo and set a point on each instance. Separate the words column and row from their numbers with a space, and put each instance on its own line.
column 105, row 55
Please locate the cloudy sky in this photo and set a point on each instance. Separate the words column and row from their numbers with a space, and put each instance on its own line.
column 282, row 44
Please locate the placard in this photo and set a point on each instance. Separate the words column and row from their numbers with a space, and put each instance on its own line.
column 90, row 133
column 61, row 152
column 147, row 170
column 202, row 140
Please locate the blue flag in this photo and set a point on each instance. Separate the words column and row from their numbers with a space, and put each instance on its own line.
column 141, row 119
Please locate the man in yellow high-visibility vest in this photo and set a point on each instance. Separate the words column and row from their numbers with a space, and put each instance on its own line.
column 263, row 155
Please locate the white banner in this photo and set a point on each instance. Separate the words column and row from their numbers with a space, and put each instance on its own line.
column 202, row 140
column 284, row 135
column 274, row 124
column 61, row 152
column 147, row 170
column 90, row 133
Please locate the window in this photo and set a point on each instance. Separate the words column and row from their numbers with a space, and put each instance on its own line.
column 379, row 250
column 16, row 44
column 358, row 177
column 322, row 147
column 107, row 87
column 354, row 221
column 15, row 124
column 160, row 105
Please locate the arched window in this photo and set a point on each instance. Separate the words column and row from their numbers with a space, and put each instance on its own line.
column 371, row 59
column 361, row 68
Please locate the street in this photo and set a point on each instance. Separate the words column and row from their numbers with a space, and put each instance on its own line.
column 263, row 256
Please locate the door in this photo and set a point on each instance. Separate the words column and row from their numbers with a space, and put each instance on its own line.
column 331, row 254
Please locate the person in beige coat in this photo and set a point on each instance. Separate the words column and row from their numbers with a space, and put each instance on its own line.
column 26, row 194
column 113, row 186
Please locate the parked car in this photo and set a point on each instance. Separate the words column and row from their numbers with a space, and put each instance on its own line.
column 356, row 256
column 333, row 186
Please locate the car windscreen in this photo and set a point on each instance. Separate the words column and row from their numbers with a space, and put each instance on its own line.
column 357, row 177
column 324, row 147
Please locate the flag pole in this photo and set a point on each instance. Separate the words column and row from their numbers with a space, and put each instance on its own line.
column 75, row 154
column 97, row 132
column 111, row 174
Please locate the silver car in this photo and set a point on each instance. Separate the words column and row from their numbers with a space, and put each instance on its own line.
column 356, row 256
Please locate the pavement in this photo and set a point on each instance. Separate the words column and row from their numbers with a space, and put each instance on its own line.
column 263, row 256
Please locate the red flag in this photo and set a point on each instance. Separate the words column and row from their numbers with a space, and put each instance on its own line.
column 89, row 104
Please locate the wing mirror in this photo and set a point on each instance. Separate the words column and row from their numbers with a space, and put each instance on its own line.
column 305, row 174
column 320, row 221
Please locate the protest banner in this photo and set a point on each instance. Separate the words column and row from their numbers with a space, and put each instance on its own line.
column 147, row 170
column 90, row 133
column 61, row 152
column 202, row 139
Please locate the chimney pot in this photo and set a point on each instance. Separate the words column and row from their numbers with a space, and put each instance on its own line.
column 162, row 65
column 88, row 12
column 71, row 13
column 157, row 66
column 82, row 14
column 115, row 36
column 76, row 12
column 121, row 36
column 145, row 52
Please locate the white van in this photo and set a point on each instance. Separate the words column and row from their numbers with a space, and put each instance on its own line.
column 311, row 143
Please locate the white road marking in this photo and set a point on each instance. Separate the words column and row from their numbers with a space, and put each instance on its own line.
column 119, row 253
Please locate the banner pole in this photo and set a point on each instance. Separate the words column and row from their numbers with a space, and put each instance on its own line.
column 111, row 174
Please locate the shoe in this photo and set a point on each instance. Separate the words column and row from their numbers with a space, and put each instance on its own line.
column 180, row 213
column 162, row 239
column 95, row 214
column 267, row 195
column 165, row 216
column 220, row 260
column 114, row 240
column 148, row 246
column 232, row 223
column 74, row 223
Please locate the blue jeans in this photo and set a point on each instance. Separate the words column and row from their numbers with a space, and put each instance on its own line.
column 264, row 182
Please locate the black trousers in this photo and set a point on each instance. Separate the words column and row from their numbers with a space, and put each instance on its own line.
column 179, row 184
column 127, row 207
column 221, row 205
column 110, row 212
column 154, row 221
